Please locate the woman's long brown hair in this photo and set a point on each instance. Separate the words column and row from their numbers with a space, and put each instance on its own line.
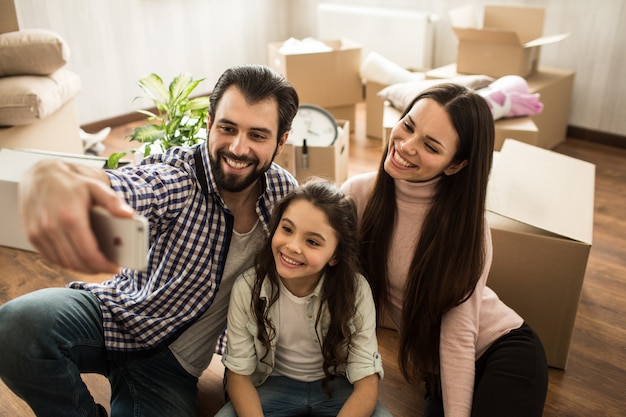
column 449, row 257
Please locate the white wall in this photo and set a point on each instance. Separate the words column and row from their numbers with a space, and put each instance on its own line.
column 116, row 42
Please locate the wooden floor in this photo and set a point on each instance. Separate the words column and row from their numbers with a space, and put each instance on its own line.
column 594, row 383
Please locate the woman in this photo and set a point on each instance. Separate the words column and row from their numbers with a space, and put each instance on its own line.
column 424, row 212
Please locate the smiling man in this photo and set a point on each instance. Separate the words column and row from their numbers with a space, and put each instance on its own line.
column 152, row 332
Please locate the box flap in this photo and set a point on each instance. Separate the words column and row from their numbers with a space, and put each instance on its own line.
column 545, row 40
column 502, row 24
column 527, row 22
column 488, row 36
column 543, row 189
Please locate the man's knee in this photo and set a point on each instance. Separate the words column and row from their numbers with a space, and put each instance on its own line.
column 27, row 324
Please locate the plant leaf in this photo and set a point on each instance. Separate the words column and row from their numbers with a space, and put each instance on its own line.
column 153, row 85
column 114, row 159
column 199, row 103
column 179, row 89
column 147, row 134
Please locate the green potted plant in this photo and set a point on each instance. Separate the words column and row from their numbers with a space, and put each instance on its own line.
column 178, row 120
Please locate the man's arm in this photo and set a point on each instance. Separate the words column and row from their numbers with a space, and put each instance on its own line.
column 54, row 202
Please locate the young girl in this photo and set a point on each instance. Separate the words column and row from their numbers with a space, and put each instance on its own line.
column 426, row 250
column 301, row 323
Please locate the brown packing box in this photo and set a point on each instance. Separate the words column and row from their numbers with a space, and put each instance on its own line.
column 554, row 86
column 347, row 112
column 508, row 42
column 328, row 79
column 518, row 128
column 374, row 109
column 13, row 164
column 540, row 209
column 329, row 162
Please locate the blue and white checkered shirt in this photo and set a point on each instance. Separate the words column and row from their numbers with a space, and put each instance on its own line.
column 189, row 240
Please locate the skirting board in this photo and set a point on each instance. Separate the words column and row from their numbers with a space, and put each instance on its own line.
column 611, row 139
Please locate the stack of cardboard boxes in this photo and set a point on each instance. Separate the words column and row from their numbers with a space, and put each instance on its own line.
column 508, row 42
column 331, row 80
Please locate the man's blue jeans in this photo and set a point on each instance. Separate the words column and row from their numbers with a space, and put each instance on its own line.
column 284, row 397
column 51, row 336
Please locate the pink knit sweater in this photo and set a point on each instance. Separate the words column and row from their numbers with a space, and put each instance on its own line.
column 468, row 329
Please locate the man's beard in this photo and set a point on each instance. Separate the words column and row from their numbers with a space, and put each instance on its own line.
column 232, row 182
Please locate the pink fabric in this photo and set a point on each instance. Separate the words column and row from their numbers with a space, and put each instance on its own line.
column 509, row 96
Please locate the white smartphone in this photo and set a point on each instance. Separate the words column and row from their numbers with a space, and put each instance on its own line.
column 123, row 240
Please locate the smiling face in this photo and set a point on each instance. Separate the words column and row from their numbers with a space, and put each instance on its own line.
column 423, row 144
column 303, row 244
column 242, row 140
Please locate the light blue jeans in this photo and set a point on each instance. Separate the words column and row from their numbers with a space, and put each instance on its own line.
column 51, row 336
column 285, row 397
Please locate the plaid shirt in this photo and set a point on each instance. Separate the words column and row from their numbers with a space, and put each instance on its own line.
column 189, row 239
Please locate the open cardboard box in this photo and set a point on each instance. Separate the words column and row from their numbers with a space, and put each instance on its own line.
column 508, row 42
column 328, row 79
column 13, row 165
column 329, row 162
column 540, row 209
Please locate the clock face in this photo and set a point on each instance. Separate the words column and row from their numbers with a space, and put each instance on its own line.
column 314, row 124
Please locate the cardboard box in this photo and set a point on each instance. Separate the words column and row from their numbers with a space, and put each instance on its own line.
column 522, row 129
column 328, row 79
column 59, row 132
column 347, row 112
column 540, row 209
column 329, row 162
column 554, row 86
column 508, row 42
column 374, row 109
column 13, row 165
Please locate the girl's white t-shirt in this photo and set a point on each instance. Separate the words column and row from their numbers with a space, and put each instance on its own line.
column 298, row 355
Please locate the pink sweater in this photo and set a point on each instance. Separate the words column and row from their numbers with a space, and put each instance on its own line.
column 468, row 329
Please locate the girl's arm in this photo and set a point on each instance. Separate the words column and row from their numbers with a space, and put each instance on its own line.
column 243, row 395
column 363, row 399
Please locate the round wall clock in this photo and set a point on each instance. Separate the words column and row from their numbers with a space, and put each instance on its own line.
column 313, row 124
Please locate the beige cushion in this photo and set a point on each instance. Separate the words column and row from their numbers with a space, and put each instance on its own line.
column 26, row 98
column 32, row 52
column 400, row 95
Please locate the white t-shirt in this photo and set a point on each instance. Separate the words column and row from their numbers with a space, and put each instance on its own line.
column 298, row 356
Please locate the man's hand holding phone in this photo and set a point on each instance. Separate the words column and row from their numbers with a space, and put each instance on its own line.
column 123, row 241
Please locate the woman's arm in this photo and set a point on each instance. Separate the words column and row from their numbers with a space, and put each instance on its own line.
column 459, row 334
column 363, row 399
column 243, row 395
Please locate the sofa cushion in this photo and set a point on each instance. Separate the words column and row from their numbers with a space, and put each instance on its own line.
column 32, row 52
column 400, row 95
column 28, row 98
